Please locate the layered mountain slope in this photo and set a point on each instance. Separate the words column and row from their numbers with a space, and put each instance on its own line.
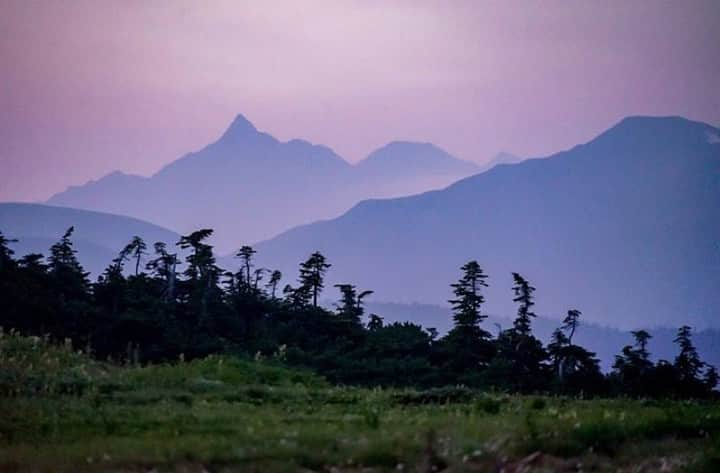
column 249, row 186
column 98, row 237
column 625, row 228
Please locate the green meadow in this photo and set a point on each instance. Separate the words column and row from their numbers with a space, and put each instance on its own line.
column 61, row 411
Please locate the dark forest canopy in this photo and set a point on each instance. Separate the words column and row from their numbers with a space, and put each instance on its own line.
column 148, row 306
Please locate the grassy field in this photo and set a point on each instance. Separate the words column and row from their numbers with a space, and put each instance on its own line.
column 61, row 412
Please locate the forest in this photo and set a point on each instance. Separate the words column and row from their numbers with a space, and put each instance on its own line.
column 143, row 310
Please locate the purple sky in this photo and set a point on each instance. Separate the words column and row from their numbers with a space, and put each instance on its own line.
column 87, row 87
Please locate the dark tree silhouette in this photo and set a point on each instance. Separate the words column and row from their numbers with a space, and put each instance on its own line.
column 246, row 254
column 312, row 275
column 272, row 284
column 687, row 363
column 571, row 323
column 6, row 253
column 556, row 349
column 524, row 295
column 350, row 306
column 468, row 299
column 375, row 322
column 162, row 314
column 641, row 341
column 467, row 349
column 164, row 266
column 711, row 378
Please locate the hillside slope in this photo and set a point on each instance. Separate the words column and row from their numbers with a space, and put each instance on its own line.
column 98, row 237
column 624, row 227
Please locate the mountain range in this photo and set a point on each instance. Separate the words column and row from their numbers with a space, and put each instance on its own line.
column 249, row 186
column 625, row 228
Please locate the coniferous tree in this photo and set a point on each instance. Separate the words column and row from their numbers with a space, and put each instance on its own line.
column 312, row 275
column 258, row 273
column 297, row 297
column 524, row 296
column 6, row 253
column 201, row 261
column 202, row 298
column 71, row 287
column 468, row 299
column 162, row 315
column 577, row 369
column 687, row 363
column 571, row 323
column 246, row 254
column 350, row 307
column 63, row 259
column 272, row 284
column 138, row 251
column 164, row 267
column 467, row 349
column 641, row 342
column 556, row 350
column 521, row 357
column 632, row 368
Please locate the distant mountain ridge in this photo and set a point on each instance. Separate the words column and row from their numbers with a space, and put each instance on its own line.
column 624, row 227
column 249, row 186
column 98, row 237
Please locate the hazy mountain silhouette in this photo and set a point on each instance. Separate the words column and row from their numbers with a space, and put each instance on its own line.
column 98, row 237
column 501, row 158
column 249, row 186
column 401, row 168
column 625, row 228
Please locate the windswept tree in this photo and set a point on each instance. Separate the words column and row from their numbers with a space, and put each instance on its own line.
column 116, row 268
column 139, row 248
column 520, row 362
column 297, row 297
column 273, row 282
column 577, row 369
column 642, row 337
column 561, row 350
column 202, row 277
column 246, row 254
column 258, row 273
column 525, row 299
column 164, row 266
column 312, row 275
column 201, row 261
column 571, row 323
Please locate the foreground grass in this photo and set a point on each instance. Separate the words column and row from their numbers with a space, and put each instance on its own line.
column 61, row 411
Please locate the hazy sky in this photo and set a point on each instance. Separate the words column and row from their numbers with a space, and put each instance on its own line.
column 87, row 87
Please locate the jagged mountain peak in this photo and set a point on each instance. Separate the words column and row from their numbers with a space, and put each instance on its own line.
column 240, row 126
